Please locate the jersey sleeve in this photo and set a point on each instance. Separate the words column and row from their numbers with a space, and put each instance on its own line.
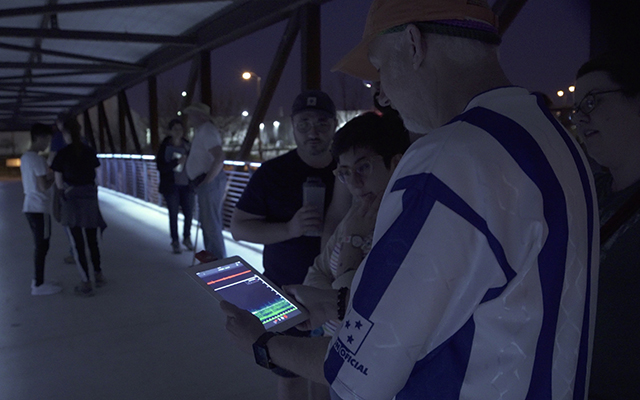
column 432, row 264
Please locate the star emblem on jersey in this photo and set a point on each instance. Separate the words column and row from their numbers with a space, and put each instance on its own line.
column 354, row 331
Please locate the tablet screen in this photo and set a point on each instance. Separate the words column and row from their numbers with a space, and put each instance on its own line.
column 240, row 285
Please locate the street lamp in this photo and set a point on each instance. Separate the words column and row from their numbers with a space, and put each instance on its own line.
column 248, row 75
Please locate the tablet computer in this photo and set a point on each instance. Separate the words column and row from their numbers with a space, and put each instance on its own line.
column 234, row 280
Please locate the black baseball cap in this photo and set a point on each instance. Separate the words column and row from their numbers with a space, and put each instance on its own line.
column 314, row 100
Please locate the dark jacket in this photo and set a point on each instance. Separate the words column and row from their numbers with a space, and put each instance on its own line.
column 165, row 168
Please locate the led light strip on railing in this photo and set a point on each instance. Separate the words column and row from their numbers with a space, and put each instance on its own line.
column 129, row 156
column 152, row 157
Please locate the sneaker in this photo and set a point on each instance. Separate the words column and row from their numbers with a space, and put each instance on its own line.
column 45, row 289
column 176, row 247
column 100, row 280
column 69, row 260
column 187, row 243
column 54, row 283
column 84, row 289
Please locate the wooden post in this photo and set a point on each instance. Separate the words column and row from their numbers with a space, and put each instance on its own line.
column 122, row 128
column 153, row 114
column 88, row 130
column 132, row 126
column 102, row 115
column 310, row 47
column 205, row 77
column 279, row 62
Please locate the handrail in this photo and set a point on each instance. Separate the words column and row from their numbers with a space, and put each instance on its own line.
column 137, row 176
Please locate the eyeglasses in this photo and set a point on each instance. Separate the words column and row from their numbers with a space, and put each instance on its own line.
column 319, row 126
column 362, row 168
column 588, row 104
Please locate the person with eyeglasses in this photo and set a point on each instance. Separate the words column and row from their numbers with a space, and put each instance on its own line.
column 271, row 212
column 607, row 119
column 368, row 148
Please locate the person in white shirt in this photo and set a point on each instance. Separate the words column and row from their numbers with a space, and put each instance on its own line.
column 204, row 169
column 37, row 179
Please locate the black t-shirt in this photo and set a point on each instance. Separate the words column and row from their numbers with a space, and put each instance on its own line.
column 77, row 168
column 275, row 192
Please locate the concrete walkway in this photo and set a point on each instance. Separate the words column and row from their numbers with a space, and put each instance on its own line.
column 150, row 333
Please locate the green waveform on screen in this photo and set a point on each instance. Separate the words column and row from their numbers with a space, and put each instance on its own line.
column 274, row 310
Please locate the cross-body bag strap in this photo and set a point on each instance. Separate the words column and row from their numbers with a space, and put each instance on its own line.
column 620, row 217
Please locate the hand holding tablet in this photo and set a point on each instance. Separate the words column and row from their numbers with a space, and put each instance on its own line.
column 234, row 280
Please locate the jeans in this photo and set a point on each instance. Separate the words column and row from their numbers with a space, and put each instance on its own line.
column 210, row 201
column 40, row 224
column 181, row 196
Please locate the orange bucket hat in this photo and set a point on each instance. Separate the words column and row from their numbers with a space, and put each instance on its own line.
column 467, row 18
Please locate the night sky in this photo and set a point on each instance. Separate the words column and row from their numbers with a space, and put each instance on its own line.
column 541, row 51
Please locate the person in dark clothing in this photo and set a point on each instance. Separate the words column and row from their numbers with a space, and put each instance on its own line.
column 75, row 174
column 607, row 120
column 174, row 183
column 271, row 210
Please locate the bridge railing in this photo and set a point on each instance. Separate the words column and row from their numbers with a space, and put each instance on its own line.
column 137, row 176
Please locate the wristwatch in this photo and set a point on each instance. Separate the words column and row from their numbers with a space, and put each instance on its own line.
column 355, row 240
column 261, row 352
column 358, row 242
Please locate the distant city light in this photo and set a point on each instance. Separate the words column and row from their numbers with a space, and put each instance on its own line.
column 184, row 94
column 276, row 124
column 560, row 93
column 245, row 113
column 261, row 125
column 367, row 84
column 572, row 89
column 13, row 162
column 179, row 113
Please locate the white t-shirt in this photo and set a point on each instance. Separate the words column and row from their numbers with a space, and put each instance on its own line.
column 200, row 158
column 31, row 166
column 481, row 281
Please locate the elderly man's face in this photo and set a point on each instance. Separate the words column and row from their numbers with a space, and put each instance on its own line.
column 396, row 86
column 402, row 81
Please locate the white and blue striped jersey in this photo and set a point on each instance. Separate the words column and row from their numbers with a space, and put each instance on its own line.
column 482, row 279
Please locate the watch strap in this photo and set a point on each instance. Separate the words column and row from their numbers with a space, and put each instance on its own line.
column 261, row 351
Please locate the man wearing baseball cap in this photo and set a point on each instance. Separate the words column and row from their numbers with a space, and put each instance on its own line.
column 482, row 276
column 271, row 210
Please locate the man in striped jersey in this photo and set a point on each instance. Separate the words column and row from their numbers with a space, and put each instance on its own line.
column 482, row 276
